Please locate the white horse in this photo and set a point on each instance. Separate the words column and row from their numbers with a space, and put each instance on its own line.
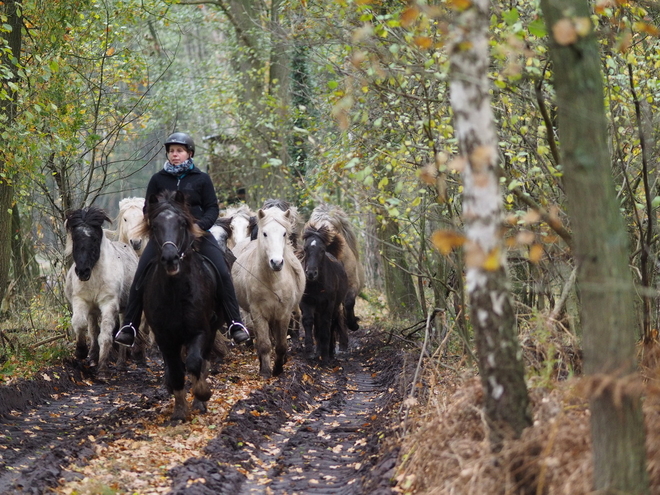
column 130, row 221
column 269, row 281
column 240, row 223
column 97, row 284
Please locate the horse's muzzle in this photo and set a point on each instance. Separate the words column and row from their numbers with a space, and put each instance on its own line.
column 83, row 274
column 172, row 268
column 277, row 265
column 312, row 275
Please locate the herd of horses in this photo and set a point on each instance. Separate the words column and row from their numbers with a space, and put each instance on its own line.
column 286, row 272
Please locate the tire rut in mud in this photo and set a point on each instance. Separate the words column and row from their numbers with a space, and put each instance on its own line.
column 315, row 430
column 60, row 422
column 312, row 430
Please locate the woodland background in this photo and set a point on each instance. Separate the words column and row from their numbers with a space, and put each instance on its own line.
column 341, row 101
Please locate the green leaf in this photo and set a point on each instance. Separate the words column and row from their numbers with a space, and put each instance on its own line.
column 511, row 16
column 537, row 28
column 656, row 202
column 333, row 84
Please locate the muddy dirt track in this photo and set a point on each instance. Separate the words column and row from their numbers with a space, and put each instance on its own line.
column 312, row 430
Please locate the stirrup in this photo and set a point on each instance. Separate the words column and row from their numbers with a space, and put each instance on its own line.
column 122, row 330
column 242, row 333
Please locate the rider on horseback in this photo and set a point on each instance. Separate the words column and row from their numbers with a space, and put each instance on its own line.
column 179, row 173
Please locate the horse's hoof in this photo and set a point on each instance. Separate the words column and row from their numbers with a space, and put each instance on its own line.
column 81, row 352
column 266, row 374
column 202, row 391
column 103, row 376
column 199, row 406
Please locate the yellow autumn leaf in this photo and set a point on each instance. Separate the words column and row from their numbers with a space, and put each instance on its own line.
column 535, row 253
column 644, row 27
column 531, row 216
column 481, row 157
column 409, row 16
column 446, row 240
column 492, row 261
column 110, row 51
column 582, row 26
column 564, row 32
column 460, row 4
column 428, row 173
column 525, row 237
column 423, row 42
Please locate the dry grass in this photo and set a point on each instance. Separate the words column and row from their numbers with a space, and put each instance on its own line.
column 447, row 451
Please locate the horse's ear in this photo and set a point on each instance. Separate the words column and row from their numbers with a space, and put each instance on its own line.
column 153, row 199
column 261, row 214
column 179, row 197
column 287, row 214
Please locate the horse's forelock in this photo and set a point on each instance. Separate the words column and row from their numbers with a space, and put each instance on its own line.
column 274, row 215
column 333, row 240
column 93, row 217
column 128, row 203
column 167, row 200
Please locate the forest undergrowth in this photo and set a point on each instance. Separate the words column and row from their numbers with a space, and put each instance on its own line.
column 445, row 447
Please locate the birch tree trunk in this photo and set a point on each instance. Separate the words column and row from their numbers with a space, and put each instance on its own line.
column 499, row 356
column 600, row 248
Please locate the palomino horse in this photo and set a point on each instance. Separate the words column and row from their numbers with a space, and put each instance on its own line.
column 336, row 220
column 325, row 292
column 269, row 282
column 97, row 284
column 130, row 220
column 179, row 300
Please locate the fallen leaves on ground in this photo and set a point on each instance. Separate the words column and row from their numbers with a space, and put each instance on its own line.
column 140, row 467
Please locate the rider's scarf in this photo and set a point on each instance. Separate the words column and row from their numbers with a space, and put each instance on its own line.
column 178, row 170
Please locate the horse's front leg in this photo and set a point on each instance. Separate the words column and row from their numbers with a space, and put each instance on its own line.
column 263, row 345
column 109, row 318
column 79, row 324
column 197, row 367
column 201, row 389
column 322, row 322
column 93, row 336
column 308, row 325
column 175, row 378
column 279, row 332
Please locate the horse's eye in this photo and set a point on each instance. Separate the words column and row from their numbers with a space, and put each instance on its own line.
column 265, row 235
column 284, row 235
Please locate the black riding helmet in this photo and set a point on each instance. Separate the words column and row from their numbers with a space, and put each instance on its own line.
column 183, row 139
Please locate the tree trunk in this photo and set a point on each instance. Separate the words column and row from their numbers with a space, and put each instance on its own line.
column 500, row 358
column 8, row 111
column 601, row 249
column 399, row 286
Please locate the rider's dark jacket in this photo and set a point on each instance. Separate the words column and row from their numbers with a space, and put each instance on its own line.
column 197, row 187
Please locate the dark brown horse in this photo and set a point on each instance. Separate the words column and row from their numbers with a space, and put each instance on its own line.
column 325, row 291
column 336, row 221
column 179, row 300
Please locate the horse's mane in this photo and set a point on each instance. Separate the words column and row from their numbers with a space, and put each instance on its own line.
column 241, row 210
column 134, row 202
column 170, row 200
column 333, row 240
column 225, row 223
column 336, row 219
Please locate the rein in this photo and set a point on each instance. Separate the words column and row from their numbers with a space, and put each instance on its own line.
column 259, row 280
